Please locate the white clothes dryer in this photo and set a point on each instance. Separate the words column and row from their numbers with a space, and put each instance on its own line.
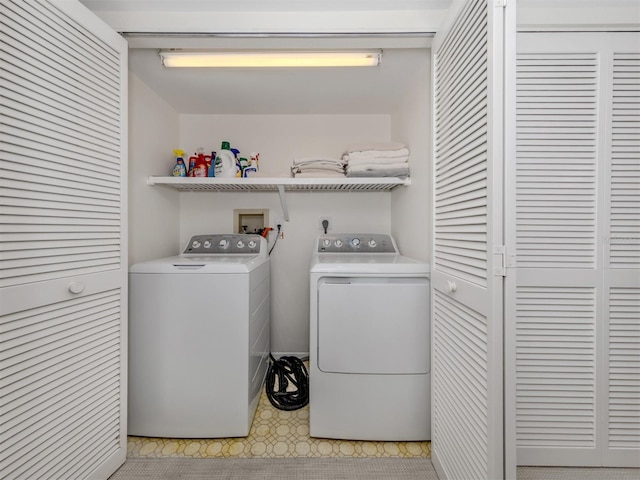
column 369, row 359
column 199, row 328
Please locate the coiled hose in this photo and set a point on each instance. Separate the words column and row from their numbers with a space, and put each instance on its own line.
column 287, row 371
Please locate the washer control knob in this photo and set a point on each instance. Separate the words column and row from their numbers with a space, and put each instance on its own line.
column 240, row 244
column 195, row 244
column 338, row 243
column 355, row 242
column 372, row 243
column 207, row 244
column 252, row 244
column 326, row 242
column 224, row 243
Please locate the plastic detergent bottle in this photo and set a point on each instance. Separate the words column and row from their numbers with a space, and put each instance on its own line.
column 253, row 165
column 225, row 163
column 243, row 163
column 212, row 165
column 200, row 164
column 180, row 169
column 236, row 154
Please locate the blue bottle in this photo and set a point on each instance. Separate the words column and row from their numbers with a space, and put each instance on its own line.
column 212, row 166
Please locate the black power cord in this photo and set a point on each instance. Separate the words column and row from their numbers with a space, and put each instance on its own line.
column 287, row 370
column 276, row 240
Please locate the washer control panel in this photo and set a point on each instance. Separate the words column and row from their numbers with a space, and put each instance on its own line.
column 356, row 243
column 228, row 244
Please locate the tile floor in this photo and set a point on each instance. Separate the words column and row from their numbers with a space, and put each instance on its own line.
column 274, row 433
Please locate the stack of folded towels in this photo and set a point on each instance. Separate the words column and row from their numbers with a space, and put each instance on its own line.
column 387, row 159
column 318, row 167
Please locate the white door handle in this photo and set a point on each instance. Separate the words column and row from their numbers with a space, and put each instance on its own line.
column 451, row 287
column 76, row 287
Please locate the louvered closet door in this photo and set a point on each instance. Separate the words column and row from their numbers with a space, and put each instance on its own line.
column 621, row 283
column 467, row 426
column 62, row 243
column 577, row 223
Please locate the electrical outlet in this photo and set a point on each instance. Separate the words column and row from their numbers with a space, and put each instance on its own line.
column 279, row 221
column 322, row 219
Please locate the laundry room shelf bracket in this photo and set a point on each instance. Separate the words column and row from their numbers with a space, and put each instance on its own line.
column 279, row 184
column 283, row 203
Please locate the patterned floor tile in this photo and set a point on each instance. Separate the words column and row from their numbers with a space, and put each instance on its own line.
column 274, row 433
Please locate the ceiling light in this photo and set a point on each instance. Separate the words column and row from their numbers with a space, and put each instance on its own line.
column 270, row 59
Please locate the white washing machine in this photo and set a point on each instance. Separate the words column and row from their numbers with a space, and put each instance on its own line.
column 199, row 328
column 369, row 362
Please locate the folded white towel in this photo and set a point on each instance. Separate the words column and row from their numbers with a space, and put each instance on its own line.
column 402, row 152
column 377, row 160
column 318, row 174
column 317, row 166
column 375, row 166
column 390, row 172
column 379, row 146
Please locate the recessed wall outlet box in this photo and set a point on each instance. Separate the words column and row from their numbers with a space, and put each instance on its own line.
column 250, row 220
column 278, row 221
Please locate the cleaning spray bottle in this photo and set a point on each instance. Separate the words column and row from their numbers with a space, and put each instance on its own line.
column 252, row 168
column 179, row 169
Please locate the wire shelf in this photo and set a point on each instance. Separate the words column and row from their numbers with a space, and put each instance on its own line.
column 206, row 184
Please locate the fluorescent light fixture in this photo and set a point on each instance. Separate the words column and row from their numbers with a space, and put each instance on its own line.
column 180, row 58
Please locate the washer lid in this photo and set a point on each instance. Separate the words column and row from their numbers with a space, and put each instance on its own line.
column 368, row 264
column 202, row 264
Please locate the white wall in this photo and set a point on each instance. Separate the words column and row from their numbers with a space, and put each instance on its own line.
column 279, row 139
column 411, row 207
column 597, row 15
column 153, row 211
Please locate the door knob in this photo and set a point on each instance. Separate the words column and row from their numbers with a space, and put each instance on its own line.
column 76, row 287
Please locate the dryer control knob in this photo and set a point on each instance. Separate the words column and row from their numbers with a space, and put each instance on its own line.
column 207, row 244
column 195, row 244
column 355, row 242
column 224, row 243
column 338, row 243
column 326, row 242
column 372, row 243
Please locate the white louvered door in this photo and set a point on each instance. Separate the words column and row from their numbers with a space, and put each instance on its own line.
column 63, row 297
column 620, row 435
column 576, row 296
column 467, row 316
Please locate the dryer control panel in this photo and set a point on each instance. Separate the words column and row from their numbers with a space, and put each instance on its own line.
column 356, row 243
column 226, row 244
